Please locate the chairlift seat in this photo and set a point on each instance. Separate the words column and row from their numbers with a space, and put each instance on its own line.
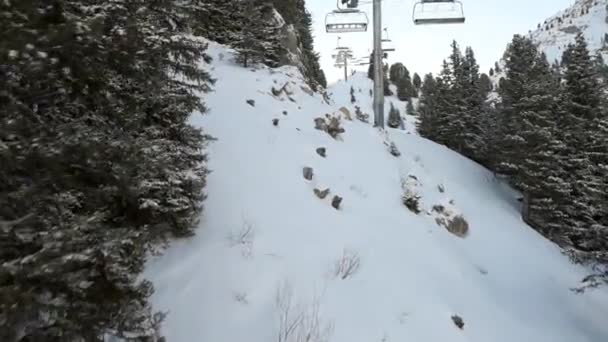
column 432, row 12
column 387, row 45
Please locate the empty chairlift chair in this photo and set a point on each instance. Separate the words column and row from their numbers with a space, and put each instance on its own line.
column 430, row 12
column 344, row 20
column 387, row 44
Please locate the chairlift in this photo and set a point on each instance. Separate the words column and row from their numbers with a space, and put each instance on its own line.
column 345, row 20
column 431, row 12
column 387, row 44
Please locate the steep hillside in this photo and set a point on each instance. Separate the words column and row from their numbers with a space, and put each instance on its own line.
column 275, row 260
column 587, row 16
column 555, row 33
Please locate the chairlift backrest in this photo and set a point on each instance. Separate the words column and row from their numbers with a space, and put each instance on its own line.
column 346, row 19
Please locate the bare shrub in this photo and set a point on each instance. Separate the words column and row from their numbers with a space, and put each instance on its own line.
column 244, row 238
column 240, row 297
column 347, row 265
column 298, row 323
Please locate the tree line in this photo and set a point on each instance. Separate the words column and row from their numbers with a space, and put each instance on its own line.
column 547, row 135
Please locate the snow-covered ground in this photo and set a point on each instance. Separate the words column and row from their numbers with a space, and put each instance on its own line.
column 270, row 255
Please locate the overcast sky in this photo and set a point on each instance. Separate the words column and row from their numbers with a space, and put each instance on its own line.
column 490, row 26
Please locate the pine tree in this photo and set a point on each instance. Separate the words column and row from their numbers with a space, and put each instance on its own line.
column 405, row 88
column 409, row 109
column 520, row 57
column 260, row 42
column 417, row 82
column 397, row 72
column 584, row 132
column 485, row 85
column 432, row 106
column 394, row 117
column 387, row 88
column 370, row 69
column 114, row 169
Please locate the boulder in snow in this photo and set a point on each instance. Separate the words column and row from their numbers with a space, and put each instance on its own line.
column 251, row 103
column 322, row 151
column 454, row 223
column 458, row 321
column 275, row 122
column 322, row 194
column 336, row 202
column 307, row 173
column 320, row 124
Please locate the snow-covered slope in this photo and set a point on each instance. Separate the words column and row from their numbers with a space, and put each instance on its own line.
column 587, row 16
column 555, row 33
column 270, row 255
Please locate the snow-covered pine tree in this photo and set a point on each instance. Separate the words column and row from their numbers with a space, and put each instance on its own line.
column 98, row 162
column 400, row 76
column 485, row 85
column 260, row 39
column 520, row 57
column 584, row 132
column 397, row 71
column 432, row 106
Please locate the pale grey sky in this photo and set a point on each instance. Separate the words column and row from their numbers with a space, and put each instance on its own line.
column 490, row 26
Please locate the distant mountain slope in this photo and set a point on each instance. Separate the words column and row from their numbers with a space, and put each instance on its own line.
column 587, row 16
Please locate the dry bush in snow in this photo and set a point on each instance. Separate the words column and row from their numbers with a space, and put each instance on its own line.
column 347, row 265
column 299, row 323
column 244, row 238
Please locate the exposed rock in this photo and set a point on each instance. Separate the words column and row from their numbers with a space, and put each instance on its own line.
column 320, row 124
column 322, row 151
column 275, row 122
column 458, row 226
column 336, row 201
column 330, row 124
column 307, row 173
column 284, row 112
column 334, row 128
column 458, row 321
column 251, row 103
column 360, row 115
column 441, row 188
column 394, row 150
column 322, row 194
